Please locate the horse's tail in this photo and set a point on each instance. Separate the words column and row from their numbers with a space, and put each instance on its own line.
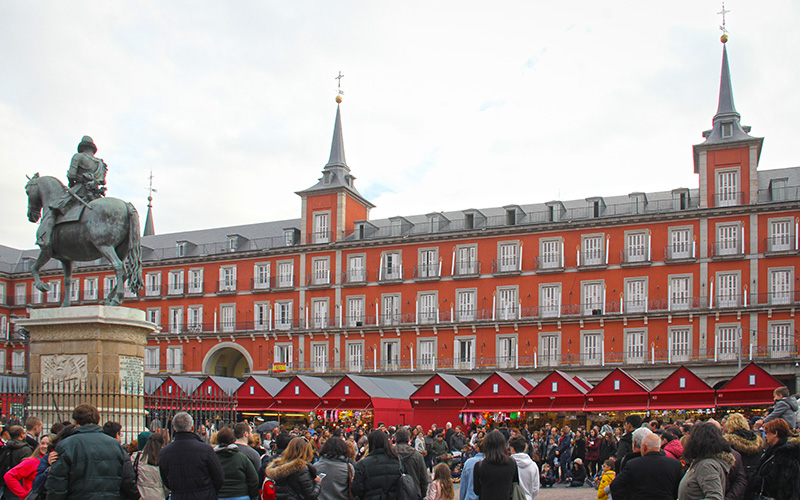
column 133, row 262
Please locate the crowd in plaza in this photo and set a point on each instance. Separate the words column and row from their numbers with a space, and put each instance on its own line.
column 731, row 459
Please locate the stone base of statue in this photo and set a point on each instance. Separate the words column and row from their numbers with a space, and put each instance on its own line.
column 88, row 354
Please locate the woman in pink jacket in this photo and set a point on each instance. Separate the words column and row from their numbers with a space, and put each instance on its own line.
column 20, row 478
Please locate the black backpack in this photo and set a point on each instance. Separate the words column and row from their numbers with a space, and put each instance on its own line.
column 407, row 488
column 5, row 460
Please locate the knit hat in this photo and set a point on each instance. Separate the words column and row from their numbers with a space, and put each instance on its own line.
column 142, row 439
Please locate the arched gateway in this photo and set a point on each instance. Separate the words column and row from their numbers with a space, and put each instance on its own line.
column 228, row 359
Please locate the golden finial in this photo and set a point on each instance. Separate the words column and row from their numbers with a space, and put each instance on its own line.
column 341, row 92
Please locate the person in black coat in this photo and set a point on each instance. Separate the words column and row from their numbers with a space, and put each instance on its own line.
column 295, row 478
column 189, row 467
column 778, row 474
column 494, row 475
column 378, row 474
column 653, row 476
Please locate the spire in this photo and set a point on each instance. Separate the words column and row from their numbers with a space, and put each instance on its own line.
column 149, row 228
column 725, row 108
column 337, row 145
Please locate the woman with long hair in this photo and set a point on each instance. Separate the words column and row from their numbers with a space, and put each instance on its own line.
column 241, row 478
column 295, row 478
column 442, row 486
column 377, row 475
column 593, row 442
column 494, row 475
column 148, row 474
column 710, row 459
column 778, row 474
column 748, row 443
column 19, row 479
column 334, row 462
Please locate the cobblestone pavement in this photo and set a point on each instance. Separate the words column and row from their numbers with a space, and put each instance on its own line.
column 557, row 492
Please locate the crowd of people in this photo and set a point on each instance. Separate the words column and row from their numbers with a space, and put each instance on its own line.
column 733, row 459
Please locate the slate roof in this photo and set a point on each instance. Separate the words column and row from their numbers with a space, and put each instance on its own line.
column 12, row 385
column 512, row 382
column 317, row 385
column 572, row 382
column 271, row 385
column 151, row 384
column 456, row 383
column 187, row 384
column 227, row 384
column 383, row 388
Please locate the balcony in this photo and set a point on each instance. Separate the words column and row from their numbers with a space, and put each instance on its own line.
column 730, row 199
column 683, row 252
column 319, row 237
column 634, row 257
column 549, row 263
column 784, row 244
column 466, row 269
column 506, row 266
column 354, row 276
column 318, row 278
column 427, row 272
column 284, row 281
column 592, row 259
column 726, row 250
column 176, row 289
column 390, row 274
column 195, row 288
column 261, row 283
column 226, row 287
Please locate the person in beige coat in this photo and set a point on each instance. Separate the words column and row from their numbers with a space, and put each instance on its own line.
column 148, row 475
column 710, row 459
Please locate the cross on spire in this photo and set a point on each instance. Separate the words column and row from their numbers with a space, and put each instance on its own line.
column 723, row 12
column 341, row 92
column 150, row 189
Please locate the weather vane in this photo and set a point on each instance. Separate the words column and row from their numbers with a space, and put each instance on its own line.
column 151, row 189
column 722, row 28
column 341, row 92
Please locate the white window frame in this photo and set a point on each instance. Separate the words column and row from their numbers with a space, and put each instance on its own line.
column 355, row 355
column 781, row 342
column 283, row 314
column 550, row 300
column 356, row 268
column 726, row 340
column 780, row 281
column 321, row 271
column 174, row 359
column 426, row 354
column 109, row 282
column 319, row 357
column 285, row 274
column 464, row 355
column 175, row 282
column 466, row 305
column 391, row 265
column 780, row 234
column 466, row 260
column 154, row 315
column 261, row 275
column 356, row 311
column 728, row 289
column 635, row 345
column 390, row 354
column 152, row 284
column 227, row 278
column 176, row 320
column 428, row 262
column 194, row 319
column 75, row 289
column 637, row 246
column 18, row 361
column 549, row 348
column 227, row 318
column 551, row 253
column 284, row 355
column 680, row 343
column 593, row 297
column 636, row 295
column 428, row 307
column 593, row 249
column 152, row 359
column 261, row 315
column 506, row 349
column 21, row 294
column 592, row 347
column 681, row 243
column 729, row 239
column 320, row 313
column 508, row 256
column 196, row 280
column 679, row 292
column 322, row 227
column 391, row 307
column 727, row 187
column 90, row 288
column 54, row 295
column 507, row 303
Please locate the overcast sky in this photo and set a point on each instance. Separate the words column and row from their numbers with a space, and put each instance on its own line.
column 448, row 105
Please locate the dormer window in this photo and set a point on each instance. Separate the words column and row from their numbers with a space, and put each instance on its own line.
column 595, row 208
column 290, row 236
column 777, row 189
column 180, row 249
column 232, row 243
column 727, row 129
column 469, row 221
column 680, row 199
column 511, row 217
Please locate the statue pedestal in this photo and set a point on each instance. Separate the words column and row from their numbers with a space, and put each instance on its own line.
column 88, row 354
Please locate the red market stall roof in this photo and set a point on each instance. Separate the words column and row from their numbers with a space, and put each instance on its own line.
column 214, row 386
column 583, row 382
column 499, row 392
column 301, row 394
column 528, row 383
column 440, row 399
column 752, row 386
column 556, row 392
column 682, row 389
column 387, row 398
column 618, row 391
column 257, row 393
column 177, row 387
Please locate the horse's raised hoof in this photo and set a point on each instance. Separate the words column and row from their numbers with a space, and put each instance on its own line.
column 42, row 286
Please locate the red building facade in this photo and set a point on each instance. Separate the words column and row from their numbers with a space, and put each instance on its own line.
column 702, row 276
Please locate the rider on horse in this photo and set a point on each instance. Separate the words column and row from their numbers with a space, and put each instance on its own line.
column 87, row 178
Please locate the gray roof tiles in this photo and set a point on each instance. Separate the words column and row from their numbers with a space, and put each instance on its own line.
column 271, row 385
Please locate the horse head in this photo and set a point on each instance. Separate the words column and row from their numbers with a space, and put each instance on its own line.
column 34, row 198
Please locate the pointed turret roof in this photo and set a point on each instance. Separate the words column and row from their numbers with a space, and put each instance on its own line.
column 727, row 128
column 149, row 228
column 336, row 174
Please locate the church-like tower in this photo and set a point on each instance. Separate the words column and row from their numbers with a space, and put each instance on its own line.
column 331, row 207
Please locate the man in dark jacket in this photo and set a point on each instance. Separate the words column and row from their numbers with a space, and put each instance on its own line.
column 653, row 476
column 188, row 466
column 413, row 463
column 90, row 464
column 625, row 445
column 457, row 441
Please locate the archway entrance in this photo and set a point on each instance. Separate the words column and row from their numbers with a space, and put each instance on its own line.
column 227, row 360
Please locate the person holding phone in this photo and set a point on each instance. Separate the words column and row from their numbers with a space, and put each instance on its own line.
column 295, row 478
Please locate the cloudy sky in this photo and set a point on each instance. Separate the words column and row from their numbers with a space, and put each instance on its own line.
column 448, row 104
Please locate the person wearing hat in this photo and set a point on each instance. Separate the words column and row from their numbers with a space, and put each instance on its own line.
column 86, row 178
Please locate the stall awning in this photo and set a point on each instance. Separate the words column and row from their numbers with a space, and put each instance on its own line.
column 556, row 392
column 753, row 386
column 682, row 389
column 618, row 391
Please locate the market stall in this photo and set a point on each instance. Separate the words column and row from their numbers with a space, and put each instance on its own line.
column 358, row 400
column 497, row 399
column 298, row 400
column 618, row 391
column 214, row 386
column 177, row 387
column 752, row 386
column 557, row 392
column 440, row 400
column 682, row 390
column 256, row 396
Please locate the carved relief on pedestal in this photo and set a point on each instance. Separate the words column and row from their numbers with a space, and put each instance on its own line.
column 66, row 371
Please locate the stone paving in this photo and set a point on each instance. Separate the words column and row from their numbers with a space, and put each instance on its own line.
column 557, row 492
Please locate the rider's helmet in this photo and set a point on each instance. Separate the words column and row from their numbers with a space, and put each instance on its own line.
column 87, row 143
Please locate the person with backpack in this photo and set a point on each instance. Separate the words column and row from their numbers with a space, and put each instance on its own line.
column 12, row 453
column 241, row 479
column 145, row 466
column 378, row 474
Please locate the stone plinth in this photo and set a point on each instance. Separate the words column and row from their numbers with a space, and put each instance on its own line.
column 88, row 354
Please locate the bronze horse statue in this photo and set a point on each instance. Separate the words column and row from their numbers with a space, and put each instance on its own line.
column 108, row 227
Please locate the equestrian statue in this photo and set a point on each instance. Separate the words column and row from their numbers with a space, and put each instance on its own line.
column 78, row 223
